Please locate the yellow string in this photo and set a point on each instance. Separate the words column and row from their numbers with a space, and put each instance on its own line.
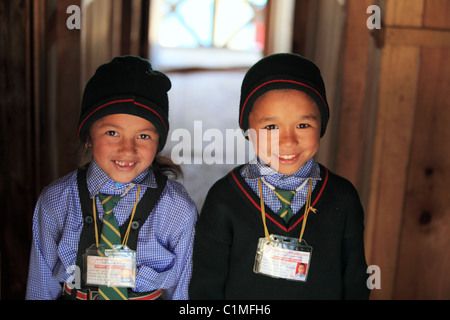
column 263, row 211
column 125, row 238
column 94, row 209
column 307, row 209
column 305, row 216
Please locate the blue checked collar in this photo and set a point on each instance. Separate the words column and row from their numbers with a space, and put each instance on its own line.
column 256, row 169
column 99, row 182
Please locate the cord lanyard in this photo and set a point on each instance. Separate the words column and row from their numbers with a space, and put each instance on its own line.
column 115, row 267
column 308, row 208
column 125, row 238
column 280, row 256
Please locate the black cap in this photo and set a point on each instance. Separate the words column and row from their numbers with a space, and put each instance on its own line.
column 283, row 71
column 128, row 85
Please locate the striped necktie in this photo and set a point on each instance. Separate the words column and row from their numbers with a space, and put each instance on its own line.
column 110, row 237
column 285, row 197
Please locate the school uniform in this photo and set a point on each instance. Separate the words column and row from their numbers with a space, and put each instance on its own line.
column 164, row 241
column 230, row 226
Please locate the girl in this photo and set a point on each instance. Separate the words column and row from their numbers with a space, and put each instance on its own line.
column 147, row 245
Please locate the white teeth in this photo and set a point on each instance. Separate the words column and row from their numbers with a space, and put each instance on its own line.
column 124, row 164
column 286, row 157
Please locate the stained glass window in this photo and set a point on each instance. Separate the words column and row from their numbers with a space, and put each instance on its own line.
column 229, row 24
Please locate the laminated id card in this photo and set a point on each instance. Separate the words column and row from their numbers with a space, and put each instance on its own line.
column 283, row 257
column 114, row 268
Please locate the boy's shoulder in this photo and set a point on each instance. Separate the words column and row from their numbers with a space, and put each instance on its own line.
column 334, row 180
column 234, row 175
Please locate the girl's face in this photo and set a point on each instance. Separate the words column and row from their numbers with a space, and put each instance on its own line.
column 123, row 145
column 285, row 129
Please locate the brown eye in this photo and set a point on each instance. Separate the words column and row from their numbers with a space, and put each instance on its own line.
column 271, row 127
column 144, row 136
column 111, row 133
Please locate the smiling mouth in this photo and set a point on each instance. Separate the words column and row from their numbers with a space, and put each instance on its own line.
column 124, row 163
column 287, row 156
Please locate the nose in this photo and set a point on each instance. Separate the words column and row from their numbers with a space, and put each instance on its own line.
column 287, row 138
column 128, row 146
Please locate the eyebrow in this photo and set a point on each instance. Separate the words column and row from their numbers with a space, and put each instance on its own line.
column 309, row 117
column 116, row 126
column 305, row 117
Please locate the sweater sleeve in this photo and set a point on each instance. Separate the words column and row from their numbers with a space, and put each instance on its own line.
column 213, row 237
column 354, row 264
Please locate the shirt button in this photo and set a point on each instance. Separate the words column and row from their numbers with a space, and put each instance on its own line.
column 118, row 184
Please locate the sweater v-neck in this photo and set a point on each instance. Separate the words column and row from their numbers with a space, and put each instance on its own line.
column 243, row 188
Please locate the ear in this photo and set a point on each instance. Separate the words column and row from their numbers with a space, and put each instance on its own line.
column 88, row 141
column 251, row 135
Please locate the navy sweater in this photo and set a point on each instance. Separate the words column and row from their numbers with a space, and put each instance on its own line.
column 230, row 225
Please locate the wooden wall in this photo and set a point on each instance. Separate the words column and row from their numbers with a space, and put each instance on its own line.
column 390, row 91
column 393, row 141
column 409, row 203
column 43, row 69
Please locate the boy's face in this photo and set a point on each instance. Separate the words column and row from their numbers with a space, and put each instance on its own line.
column 123, row 145
column 285, row 129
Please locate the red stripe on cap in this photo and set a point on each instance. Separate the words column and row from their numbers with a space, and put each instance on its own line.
column 121, row 101
column 273, row 81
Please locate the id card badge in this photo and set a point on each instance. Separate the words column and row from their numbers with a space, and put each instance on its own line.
column 283, row 257
column 113, row 268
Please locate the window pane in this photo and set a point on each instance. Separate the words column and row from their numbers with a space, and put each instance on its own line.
column 231, row 16
column 197, row 16
column 207, row 33
column 173, row 34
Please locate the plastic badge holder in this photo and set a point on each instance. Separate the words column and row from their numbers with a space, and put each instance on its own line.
column 283, row 257
column 116, row 268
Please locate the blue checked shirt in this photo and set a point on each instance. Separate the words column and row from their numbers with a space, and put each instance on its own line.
column 255, row 169
column 164, row 248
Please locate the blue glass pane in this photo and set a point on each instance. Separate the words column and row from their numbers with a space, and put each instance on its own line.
column 173, row 34
column 230, row 17
column 197, row 16
column 260, row 3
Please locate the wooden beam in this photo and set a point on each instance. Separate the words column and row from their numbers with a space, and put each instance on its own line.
column 404, row 12
column 393, row 136
column 350, row 135
column 417, row 37
column 423, row 255
column 67, row 96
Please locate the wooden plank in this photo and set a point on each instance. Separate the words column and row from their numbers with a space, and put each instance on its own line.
column 97, row 38
column 437, row 14
column 68, row 89
column 408, row 13
column 392, row 141
column 424, row 257
column 350, row 137
column 17, row 183
column 417, row 37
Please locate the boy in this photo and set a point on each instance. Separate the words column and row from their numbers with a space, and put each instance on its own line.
column 264, row 218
